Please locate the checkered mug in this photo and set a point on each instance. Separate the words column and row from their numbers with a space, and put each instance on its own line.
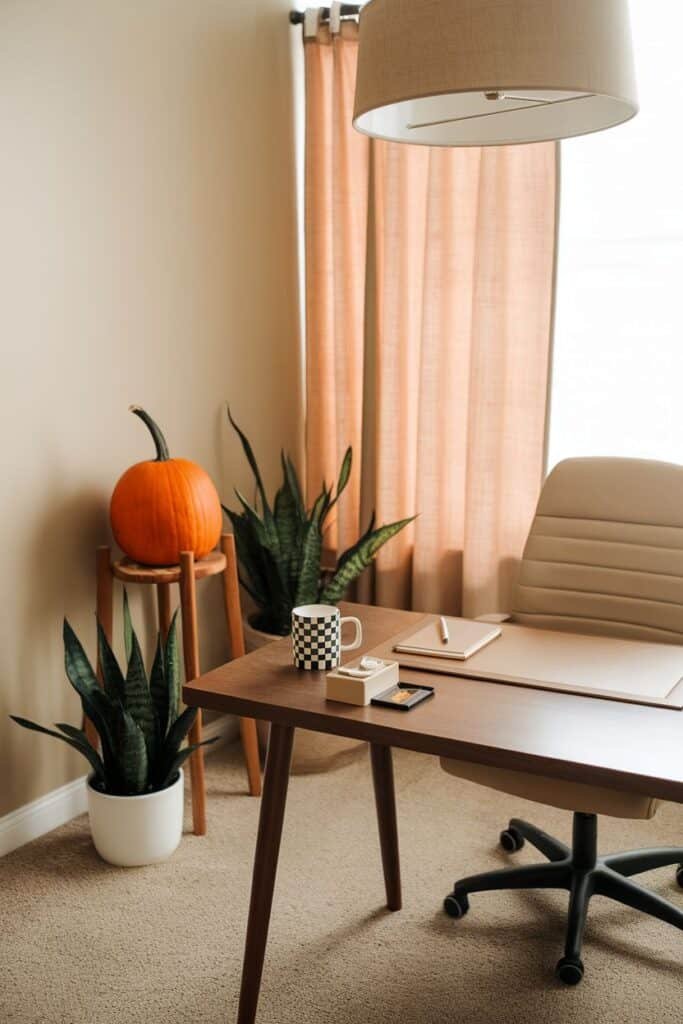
column 316, row 636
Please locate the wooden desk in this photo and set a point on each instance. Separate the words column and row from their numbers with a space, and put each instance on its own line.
column 583, row 739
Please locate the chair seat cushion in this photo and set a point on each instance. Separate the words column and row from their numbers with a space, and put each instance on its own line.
column 571, row 796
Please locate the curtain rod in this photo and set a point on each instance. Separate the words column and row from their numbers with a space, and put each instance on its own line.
column 347, row 11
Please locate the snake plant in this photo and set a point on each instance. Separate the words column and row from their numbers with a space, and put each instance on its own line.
column 138, row 720
column 280, row 548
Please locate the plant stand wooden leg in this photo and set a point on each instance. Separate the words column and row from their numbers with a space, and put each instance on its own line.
column 383, row 779
column 233, row 611
column 164, row 608
column 188, row 606
column 265, row 867
column 105, row 617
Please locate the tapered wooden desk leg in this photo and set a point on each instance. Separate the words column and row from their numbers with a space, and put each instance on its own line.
column 265, row 866
column 105, row 616
column 164, row 607
column 385, row 799
column 233, row 612
column 188, row 608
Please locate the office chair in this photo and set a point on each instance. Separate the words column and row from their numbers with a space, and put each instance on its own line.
column 604, row 556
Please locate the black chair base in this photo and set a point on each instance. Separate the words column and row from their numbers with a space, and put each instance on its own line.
column 583, row 873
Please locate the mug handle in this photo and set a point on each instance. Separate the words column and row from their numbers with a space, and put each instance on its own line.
column 358, row 639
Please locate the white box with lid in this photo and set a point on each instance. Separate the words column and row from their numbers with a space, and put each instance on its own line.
column 366, row 683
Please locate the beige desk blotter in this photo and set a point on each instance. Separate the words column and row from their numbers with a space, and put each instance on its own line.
column 624, row 670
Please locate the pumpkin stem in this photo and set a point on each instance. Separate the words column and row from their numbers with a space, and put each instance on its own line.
column 163, row 454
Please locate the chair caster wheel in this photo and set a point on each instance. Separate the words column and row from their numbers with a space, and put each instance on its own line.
column 456, row 904
column 679, row 875
column 511, row 839
column 569, row 970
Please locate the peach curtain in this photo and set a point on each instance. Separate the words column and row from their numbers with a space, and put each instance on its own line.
column 336, row 213
column 429, row 277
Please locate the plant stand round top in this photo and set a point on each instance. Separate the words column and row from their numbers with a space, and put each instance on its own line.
column 129, row 571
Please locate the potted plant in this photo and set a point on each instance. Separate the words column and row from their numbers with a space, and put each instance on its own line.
column 280, row 548
column 135, row 789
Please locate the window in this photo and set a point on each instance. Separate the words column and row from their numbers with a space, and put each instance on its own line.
column 618, row 363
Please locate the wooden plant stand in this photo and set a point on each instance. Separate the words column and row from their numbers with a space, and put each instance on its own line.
column 186, row 574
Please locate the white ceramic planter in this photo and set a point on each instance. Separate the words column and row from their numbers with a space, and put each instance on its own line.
column 130, row 831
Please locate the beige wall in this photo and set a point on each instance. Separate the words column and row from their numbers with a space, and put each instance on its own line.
column 147, row 254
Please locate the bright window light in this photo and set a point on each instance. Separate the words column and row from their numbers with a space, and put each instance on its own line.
column 618, row 364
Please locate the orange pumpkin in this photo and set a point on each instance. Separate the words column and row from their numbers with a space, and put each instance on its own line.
column 162, row 507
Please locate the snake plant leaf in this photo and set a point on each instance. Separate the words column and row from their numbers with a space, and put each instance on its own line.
column 291, row 482
column 344, row 557
column 265, row 529
column 275, row 577
column 178, row 730
column 250, row 557
column 288, row 526
column 358, row 558
column 78, row 735
column 274, row 567
column 248, row 451
column 255, row 521
column 172, row 673
column 344, row 474
column 318, row 506
column 171, row 745
column 138, row 701
column 127, row 627
column 112, row 676
column 180, row 759
column 311, row 552
column 132, row 755
column 78, row 667
column 295, row 559
column 309, row 573
column 99, row 708
column 158, row 688
column 104, row 713
column 83, row 747
column 326, row 505
column 292, row 478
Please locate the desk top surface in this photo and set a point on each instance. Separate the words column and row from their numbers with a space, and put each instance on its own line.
column 582, row 739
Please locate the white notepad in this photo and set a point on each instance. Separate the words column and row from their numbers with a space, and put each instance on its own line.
column 465, row 638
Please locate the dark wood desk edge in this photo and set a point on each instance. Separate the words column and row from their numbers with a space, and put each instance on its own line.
column 387, row 735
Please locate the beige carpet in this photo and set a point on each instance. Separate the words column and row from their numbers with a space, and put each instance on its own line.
column 84, row 943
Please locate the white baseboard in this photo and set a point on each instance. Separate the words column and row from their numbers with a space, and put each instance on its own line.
column 42, row 815
column 61, row 805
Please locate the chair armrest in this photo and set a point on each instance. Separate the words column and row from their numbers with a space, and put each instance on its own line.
column 493, row 617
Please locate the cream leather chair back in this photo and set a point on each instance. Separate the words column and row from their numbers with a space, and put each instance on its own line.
column 605, row 551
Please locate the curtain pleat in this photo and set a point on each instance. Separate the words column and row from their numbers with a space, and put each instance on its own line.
column 336, row 204
column 454, row 308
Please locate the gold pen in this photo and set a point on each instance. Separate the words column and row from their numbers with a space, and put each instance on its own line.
column 444, row 629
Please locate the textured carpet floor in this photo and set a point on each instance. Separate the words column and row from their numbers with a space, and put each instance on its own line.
column 81, row 942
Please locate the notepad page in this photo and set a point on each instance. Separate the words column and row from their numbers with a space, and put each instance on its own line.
column 465, row 637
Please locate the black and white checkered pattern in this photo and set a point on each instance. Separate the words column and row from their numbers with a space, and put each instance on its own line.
column 316, row 642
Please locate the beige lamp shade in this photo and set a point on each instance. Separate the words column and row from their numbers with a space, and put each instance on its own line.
column 493, row 72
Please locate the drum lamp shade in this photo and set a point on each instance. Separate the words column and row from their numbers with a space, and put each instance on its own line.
column 493, row 72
